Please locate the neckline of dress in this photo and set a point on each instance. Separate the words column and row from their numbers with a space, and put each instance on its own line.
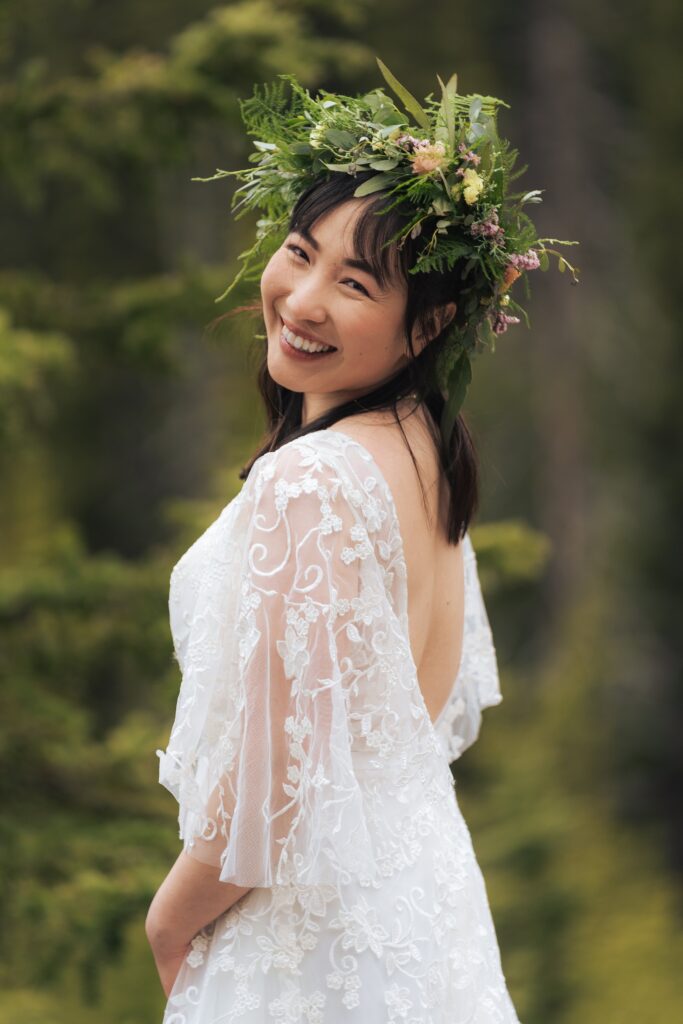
column 327, row 431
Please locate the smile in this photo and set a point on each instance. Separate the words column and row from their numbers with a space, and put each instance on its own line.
column 303, row 346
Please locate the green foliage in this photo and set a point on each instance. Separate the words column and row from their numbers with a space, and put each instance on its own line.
column 30, row 363
column 428, row 170
column 90, row 309
column 100, row 120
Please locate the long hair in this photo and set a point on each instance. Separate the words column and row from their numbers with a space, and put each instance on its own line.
column 426, row 293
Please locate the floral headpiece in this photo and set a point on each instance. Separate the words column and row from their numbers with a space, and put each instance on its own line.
column 443, row 161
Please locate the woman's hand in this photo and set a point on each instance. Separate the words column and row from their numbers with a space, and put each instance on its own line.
column 190, row 897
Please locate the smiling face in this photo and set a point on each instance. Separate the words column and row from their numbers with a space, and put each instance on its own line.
column 316, row 292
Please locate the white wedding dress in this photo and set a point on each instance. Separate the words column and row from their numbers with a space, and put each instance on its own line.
column 306, row 766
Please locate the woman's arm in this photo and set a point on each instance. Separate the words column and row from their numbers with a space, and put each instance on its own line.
column 190, row 897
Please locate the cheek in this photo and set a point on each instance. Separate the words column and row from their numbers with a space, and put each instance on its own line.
column 379, row 335
column 276, row 277
column 269, row 279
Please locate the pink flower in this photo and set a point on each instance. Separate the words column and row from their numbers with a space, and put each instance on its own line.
column 428, row 156
column 525, row 261
column 408, row 142
column 501, row 322
column 468, row 154
column 489, row 228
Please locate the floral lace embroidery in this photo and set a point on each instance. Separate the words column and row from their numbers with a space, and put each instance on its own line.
column 306, row 766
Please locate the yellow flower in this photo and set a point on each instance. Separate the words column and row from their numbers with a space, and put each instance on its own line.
column 472, row 186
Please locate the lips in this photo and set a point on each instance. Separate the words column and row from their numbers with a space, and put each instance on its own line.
column 305, row 335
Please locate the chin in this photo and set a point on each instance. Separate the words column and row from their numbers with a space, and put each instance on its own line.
column 282, row 375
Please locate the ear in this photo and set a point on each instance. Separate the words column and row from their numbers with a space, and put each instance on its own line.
column 442, row 316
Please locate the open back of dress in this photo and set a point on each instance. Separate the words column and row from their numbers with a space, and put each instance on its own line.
column 306, row 766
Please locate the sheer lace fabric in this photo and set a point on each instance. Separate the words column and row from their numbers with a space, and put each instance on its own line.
column 306, row 766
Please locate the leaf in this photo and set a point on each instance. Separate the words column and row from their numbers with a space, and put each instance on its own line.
column 448, row 108
column 373, row 185
column 458, row 382
column 407, row 98
column 475, row 108
column 346, row 168
column 344, row 140
column 264, row 145
column 560, row 264
column 384, row 165
column 544, row 261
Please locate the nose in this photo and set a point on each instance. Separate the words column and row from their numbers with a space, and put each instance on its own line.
column 306, row 299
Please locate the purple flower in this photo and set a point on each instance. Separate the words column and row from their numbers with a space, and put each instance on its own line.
column 489, row 228
column 525, row 261
column 408, row 142
column 501, row 321
column 468, row 154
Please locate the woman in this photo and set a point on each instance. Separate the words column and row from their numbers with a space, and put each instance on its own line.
column 335, row 648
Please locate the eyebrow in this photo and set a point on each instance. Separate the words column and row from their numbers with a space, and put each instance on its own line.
column 354, row 264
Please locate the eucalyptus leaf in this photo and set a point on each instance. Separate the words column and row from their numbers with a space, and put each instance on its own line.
column 406, row 98
column 561, row 264
column 459, row 380
column 448, row 92
column 475, row 108
column 373, row 185
column 345, row 140
column 384, row 165
column 544, row 261
column 345, row 168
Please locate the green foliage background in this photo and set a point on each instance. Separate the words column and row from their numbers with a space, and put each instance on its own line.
column 124, row 422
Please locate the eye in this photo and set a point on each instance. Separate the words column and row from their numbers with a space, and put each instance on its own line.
column 364, row 291
column 297, row 250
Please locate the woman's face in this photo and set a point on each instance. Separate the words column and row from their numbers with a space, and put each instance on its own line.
column 310, row 291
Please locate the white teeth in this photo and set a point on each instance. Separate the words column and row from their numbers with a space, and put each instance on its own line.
column 303, row 343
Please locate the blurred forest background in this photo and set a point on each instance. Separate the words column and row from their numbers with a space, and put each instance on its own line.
column 124, row 422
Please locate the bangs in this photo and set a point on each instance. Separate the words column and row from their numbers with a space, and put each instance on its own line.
column 372, row 231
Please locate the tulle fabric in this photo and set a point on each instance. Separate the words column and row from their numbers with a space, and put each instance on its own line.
column 272, row 795
column 289, row 618
column 477, row 685
column 307, row 769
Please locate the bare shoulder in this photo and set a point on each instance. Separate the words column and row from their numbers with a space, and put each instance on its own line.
column 382, row 436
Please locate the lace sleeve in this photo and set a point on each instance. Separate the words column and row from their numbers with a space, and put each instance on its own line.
column 477, row 685
column 274, row 797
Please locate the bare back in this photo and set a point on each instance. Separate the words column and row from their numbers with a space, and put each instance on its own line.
column 436, row 582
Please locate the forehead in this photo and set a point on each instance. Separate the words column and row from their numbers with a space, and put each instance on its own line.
column 337, row 226
column 353, row 233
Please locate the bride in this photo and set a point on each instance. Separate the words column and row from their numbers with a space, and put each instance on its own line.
column 335, row 650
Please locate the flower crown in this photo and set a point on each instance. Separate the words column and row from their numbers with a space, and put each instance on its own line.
column 447, row 167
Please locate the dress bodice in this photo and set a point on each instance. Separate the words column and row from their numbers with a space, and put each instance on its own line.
column 292, row 608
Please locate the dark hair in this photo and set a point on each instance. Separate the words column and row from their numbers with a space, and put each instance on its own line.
column 426, row 292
